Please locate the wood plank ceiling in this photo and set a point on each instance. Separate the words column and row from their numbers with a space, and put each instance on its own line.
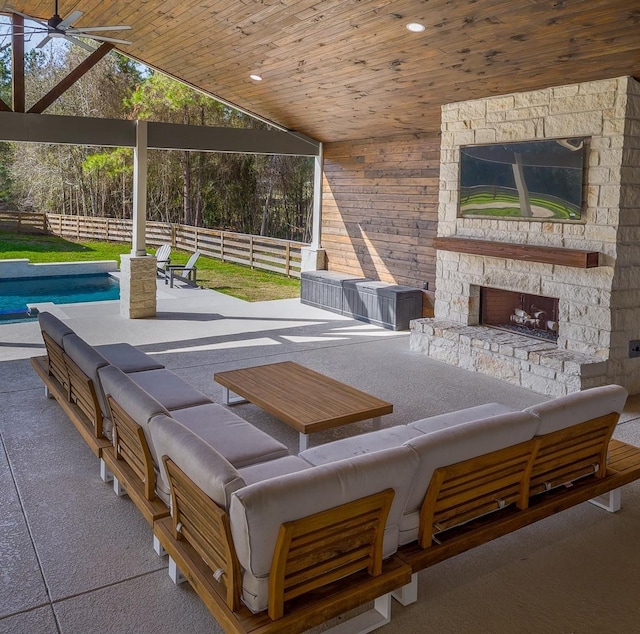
column 348, row 69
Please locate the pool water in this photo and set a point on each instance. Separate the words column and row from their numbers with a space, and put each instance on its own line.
column 16, row 293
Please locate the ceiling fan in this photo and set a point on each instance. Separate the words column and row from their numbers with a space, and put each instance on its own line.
column 57, row 27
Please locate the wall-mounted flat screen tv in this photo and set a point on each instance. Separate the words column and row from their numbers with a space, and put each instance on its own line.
column 539, row 180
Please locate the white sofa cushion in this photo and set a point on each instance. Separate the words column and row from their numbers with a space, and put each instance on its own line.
column 214, row 475
column 579, row 407
column 360, row 444
column 238, row 441
column 455, row 444
column 273, row 468
column 450, row 419
column 258, row 510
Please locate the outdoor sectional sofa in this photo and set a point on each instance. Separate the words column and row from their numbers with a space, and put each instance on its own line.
column 274, row 542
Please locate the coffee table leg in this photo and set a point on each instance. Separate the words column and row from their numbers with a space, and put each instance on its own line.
column 227, row 399
column 303, row 442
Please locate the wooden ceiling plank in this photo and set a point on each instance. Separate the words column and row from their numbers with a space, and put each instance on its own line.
column 337, row 69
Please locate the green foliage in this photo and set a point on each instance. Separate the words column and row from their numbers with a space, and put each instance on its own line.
column 267, row 195
column 112, row 162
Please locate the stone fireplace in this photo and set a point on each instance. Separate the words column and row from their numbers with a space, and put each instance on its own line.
column 572, row 287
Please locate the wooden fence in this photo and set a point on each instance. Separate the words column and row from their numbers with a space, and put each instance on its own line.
column 259, row 252
column 23, row 221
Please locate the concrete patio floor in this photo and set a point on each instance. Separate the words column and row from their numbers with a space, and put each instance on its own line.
column 76, row 559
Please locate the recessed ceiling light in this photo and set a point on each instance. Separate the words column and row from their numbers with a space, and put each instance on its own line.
column 256, row 77
column 415, row 27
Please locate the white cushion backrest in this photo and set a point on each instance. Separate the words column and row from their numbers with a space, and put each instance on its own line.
column 451, row 445
column 579, row 407
column 258, row 510
column 208, row 470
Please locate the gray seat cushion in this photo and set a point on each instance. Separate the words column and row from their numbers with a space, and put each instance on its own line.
column 128, row 358
column 238, row 441
column 169, row 389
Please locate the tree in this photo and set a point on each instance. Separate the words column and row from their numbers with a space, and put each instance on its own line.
column 270, row 195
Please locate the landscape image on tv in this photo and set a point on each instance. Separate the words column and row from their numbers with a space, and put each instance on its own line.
column 535, row 179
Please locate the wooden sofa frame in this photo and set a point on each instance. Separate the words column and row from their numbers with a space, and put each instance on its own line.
column 463, row 508
column 129, row 462
column 74, row 391
column 467, row 504
column 323, row 566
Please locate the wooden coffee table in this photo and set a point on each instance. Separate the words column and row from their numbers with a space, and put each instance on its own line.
column 305, row 400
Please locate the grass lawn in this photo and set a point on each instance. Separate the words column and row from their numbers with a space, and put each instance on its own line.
column 233, row 279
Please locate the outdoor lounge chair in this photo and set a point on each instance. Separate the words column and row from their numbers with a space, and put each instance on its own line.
column 185, row 272
column 163, row 258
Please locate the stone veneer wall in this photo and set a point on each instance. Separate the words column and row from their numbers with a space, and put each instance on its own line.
column 138, row 286
column 599, row 307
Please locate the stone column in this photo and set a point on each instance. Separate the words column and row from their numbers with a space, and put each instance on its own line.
column 137, row 286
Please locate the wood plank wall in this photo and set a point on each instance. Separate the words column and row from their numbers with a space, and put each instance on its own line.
column 380, row 208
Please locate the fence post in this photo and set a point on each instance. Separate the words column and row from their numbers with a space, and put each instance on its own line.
column 60, row 224
column 173, row 236
column 251, row 251
column 19, row 221
column 288, row 263
column 222, row 245
column 44, row 222
column 107, row 228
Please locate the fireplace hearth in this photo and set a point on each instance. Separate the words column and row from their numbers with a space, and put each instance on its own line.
column 523, row 313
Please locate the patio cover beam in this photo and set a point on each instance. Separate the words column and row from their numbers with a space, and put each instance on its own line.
column 44, row 128
column 17, row 64
column 68, row 81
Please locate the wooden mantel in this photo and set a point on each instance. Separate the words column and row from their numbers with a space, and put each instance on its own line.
column 527, row 252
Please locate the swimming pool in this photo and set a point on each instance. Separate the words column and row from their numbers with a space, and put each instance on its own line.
column 15, row 294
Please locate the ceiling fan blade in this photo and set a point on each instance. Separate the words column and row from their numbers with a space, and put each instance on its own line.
column 70, row 19
column 80, row 43
column 122, row 27
column 102, row 38
column 28, row 17
column 43, row 42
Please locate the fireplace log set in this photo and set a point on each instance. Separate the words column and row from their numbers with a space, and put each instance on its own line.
column 531, row 315
column 537, row 320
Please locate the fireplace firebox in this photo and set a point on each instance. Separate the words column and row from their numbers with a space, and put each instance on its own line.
column 532, row 315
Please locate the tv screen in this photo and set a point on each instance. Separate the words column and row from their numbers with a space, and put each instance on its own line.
column 540, row 180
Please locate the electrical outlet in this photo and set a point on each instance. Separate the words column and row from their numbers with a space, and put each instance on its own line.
column 634, row 348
